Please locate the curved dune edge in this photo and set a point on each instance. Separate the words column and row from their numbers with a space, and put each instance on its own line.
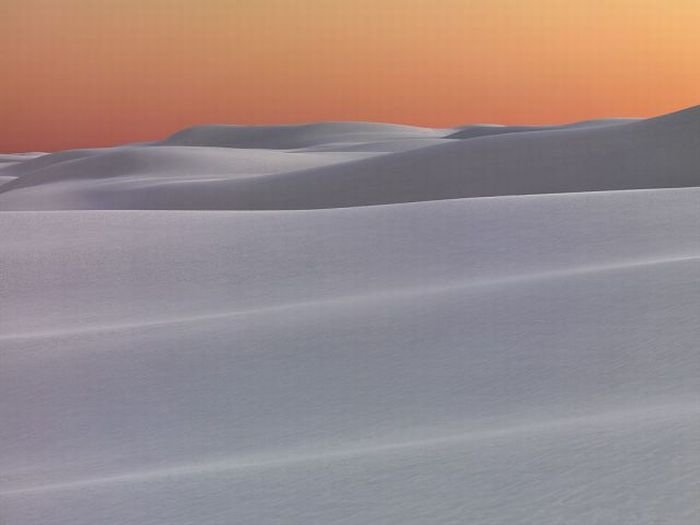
column 188, row 172
column 352, row 323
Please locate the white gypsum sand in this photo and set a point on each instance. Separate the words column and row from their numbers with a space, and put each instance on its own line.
column 355, row 323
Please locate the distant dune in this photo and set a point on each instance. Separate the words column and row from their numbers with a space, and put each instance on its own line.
column 295, row 136
column 355, row 323
column 265, row 171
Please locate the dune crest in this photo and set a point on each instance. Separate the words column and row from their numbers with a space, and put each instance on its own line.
column 354, row 323
column 604, row 155
column 294, row 136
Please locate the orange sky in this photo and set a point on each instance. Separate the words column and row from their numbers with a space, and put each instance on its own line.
column 96, row 72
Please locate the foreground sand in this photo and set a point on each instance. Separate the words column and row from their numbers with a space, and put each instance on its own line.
column 355, row 323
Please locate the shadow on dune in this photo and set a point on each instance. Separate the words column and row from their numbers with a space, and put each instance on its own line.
column 478, row 161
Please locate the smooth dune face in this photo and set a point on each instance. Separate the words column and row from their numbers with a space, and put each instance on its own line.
column 354, row 323
column 334, row 165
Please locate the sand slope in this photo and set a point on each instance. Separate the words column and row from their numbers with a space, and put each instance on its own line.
column 659, row 152
column 506, row 359
column 296, row 136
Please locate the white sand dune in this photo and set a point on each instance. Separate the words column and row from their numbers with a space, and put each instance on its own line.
column 481, row 130
column 507, row 335
column 297, row 136
column 10, row 159
column 142, row 163
column 653, row 153
column 380, row 146
column 19, row 157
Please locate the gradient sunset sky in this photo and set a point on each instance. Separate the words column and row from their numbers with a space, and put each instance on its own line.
column 81, row 73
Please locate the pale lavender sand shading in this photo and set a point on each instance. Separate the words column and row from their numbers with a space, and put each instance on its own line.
column 354, row 323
